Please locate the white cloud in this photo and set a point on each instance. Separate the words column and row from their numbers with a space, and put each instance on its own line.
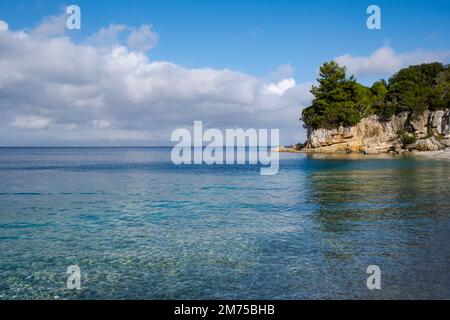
column 385, row 61
column 3, row 26
column 142, row 39
column 31, row 122
column 96, row 92
column 139, row 39
column 106, row 37
column 281, row 87
column 51, row 26
column 282, row 72
column 101, row 124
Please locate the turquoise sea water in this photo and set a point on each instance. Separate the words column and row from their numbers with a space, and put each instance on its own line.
column 140, row 227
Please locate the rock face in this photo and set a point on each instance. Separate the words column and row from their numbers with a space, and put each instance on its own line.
column 429, row 131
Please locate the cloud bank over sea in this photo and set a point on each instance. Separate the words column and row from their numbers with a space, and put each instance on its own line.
column 107, row 89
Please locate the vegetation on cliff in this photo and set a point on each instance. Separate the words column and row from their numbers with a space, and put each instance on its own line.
column 342, row 101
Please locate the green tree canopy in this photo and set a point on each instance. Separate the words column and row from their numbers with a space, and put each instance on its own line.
column 341, row 101
column 419, row 88
column 335, row 99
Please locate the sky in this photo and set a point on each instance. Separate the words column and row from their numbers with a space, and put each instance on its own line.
column 137, row 70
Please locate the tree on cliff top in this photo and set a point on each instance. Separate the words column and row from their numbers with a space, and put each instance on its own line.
column 419, row 88
column 341, row 101
column 335, row 101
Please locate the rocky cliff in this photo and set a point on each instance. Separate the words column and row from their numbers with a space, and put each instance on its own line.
column 429, row 131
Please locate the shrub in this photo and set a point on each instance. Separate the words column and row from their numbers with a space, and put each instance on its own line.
column 408, row 139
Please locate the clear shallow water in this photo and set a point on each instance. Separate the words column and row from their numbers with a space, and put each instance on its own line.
column 141, row 227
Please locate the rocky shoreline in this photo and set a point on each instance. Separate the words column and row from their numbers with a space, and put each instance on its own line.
column 427, row 134
column 442, row 154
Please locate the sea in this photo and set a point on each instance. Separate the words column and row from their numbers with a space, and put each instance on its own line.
column 137, row 226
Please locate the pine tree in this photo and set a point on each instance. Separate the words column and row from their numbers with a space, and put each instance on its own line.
column 335, row 99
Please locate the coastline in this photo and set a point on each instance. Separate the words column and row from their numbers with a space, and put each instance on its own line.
column 441, row 154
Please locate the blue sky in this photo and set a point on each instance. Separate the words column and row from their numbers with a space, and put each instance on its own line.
column 255, row 36
column 247, row 64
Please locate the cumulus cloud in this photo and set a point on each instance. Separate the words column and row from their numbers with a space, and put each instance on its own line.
column 140, row 39
column 51, row 26
column 108, row 36
column 3, row 26
column 282, row 72
column 31, row 122
column 101, row 124
column 385, row 61
column 107, row 89
column 281, row 87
